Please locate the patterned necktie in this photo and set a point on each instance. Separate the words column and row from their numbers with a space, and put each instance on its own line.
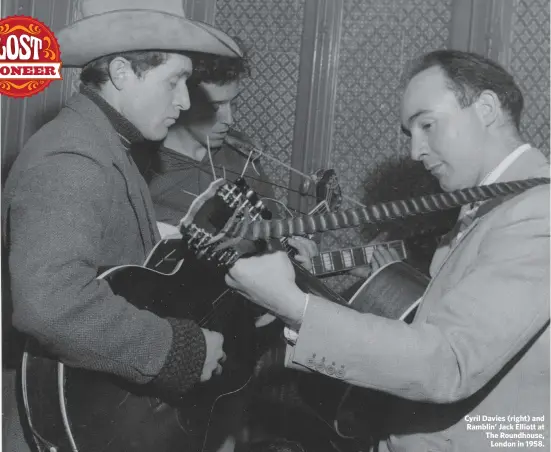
column 378, row 213
column 465, row 219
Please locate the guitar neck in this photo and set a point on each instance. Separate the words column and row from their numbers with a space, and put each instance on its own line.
column 334, row 262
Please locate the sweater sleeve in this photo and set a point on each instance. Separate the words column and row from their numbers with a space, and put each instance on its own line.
column 57, row 218
column 184, row 362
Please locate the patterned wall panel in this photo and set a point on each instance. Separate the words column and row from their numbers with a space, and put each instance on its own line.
column 529, row 63
column 378, row 38
column 271, row 30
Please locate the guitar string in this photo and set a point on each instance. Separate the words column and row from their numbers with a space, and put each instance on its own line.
column 201, row 168
column 288, row 208
column 214, row 177
column 219, row 301
column 246, row 164
column 252, row 149
column 290, row 168
column 187, row 166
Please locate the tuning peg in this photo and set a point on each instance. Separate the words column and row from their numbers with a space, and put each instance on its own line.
column 305, row 186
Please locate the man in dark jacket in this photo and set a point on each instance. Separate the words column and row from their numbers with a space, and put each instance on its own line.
column 75, row 201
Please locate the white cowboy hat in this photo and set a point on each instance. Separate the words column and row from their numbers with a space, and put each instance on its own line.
column 114, row 26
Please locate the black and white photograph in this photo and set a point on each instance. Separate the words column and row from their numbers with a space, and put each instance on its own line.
column 275, row 225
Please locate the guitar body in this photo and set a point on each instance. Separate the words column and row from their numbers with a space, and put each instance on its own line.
column 394, row 292
column 85, row 411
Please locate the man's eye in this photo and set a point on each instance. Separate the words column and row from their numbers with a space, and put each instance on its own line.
column 426, row 126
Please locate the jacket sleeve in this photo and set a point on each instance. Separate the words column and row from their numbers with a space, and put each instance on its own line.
column 498, row 307
column 57, row 218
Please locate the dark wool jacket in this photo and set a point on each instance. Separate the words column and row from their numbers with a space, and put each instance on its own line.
column 74, row 201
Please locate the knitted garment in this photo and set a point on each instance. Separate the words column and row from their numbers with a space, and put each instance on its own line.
column 184, row 362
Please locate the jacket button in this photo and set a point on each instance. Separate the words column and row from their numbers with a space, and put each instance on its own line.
column 330, row 370
column 340, row 373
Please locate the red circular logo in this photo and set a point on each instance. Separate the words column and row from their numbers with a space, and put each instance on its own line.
column 29, row 56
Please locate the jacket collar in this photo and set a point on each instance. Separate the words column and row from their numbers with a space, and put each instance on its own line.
column 531, row 163
column 128, row 132
column 113, row 152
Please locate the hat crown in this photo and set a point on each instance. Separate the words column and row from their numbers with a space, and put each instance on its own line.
column 107, row 27
column 94, row 7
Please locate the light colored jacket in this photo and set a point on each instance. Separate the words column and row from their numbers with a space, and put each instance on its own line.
column 479, row 344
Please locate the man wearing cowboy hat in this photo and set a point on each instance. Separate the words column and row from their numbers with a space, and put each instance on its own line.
column 75, row 194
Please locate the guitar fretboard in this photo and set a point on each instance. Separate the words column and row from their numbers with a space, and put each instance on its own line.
column 332, row 262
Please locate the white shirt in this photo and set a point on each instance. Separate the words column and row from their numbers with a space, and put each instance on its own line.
column 493, row 175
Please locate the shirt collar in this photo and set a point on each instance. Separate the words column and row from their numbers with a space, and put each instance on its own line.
column 494, row 175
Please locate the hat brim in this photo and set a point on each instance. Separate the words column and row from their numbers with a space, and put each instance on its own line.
column 130, row 30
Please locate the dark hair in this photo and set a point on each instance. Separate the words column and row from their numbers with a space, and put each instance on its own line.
column 469, row 74
column 401, row 178
column 96, row 73
column 217, row 69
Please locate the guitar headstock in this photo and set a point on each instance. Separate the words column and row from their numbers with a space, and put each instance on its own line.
column 223, row 204
column 328, row 191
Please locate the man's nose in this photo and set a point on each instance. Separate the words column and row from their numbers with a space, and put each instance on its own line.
column 418, row 147
column 225, row 114
column 182, row 98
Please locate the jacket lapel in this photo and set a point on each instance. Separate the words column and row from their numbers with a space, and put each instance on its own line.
column 112, row 151
column 139, row 197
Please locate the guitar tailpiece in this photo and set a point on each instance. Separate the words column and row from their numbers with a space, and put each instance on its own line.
column 242, row 200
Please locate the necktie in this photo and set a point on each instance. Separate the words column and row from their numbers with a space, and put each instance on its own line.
column 466, row 218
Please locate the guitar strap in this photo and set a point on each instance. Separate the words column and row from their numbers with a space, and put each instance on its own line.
column 378, row 213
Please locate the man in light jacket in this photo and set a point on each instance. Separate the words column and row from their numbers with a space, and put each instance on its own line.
column 479, row 343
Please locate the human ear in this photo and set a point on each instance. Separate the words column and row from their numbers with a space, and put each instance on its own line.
column 488, row 107
column 119, row 70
